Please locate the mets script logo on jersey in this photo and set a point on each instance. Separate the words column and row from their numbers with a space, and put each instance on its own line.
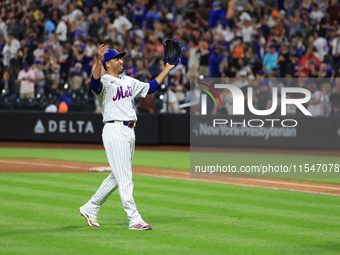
column 121, row 93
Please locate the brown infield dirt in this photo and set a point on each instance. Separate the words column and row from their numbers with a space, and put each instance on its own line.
column 57, row 166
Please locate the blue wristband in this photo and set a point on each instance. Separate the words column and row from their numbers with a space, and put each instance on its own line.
column 153, row 86
column 96, row 85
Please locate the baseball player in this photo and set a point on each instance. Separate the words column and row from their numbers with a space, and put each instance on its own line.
column 116, row 95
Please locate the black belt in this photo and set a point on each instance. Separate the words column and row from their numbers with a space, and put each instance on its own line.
column 130, row 124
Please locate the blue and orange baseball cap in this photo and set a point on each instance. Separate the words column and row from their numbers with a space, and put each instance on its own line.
column 112, row 53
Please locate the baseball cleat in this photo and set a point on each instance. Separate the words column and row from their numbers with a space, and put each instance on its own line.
column 92, row 222
column 141, row 226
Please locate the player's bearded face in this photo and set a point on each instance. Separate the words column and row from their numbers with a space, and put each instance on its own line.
column 116, row 65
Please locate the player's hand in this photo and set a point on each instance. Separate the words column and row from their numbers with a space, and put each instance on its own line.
column 101, row 51
column 169, row 66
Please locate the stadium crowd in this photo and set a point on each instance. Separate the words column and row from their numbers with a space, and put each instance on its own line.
column 48, row 48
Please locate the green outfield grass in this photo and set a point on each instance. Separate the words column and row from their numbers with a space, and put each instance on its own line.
column 162, row 159
column 39, row 215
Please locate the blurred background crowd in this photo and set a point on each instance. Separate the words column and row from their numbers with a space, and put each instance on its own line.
column 48, row 48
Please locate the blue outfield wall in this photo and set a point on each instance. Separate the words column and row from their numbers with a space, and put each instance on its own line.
column 173, row 129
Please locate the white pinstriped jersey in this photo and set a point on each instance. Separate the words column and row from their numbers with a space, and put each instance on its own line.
column 117, row 97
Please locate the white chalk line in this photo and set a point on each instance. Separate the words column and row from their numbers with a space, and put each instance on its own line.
column 40, row 164
column 239, row 184
column 183, row 172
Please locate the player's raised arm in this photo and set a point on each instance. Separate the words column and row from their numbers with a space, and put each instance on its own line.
column 95, row 84
column 172, row 55
column 154, row 84
column 168, row 67
column 97, row 72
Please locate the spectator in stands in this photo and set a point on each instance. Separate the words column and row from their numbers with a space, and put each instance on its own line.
column 49, row 27
column 147, row 104
column 275, row 82
column 326, row 92
column 89, row 51
column 325, row 70
column 53, row 46
column 94, row 22
column 130, row 68
column 61, row 30
column 77, row 52
column 244, row 69
column 334, row 43
column 309, row 58
column 40, row 78
column 153, row 15
column 335, row 110
column 53, row 72
column 252, row 60
column 227, row 103
column 294, row 47
column 216, row 14
column 15, row 27
column 314, row 71
column 283, row 60
column 27, row 78
column 77, row 77
column 264, row 101
column 194, row 56
column 316, row 15
column 74, row 13
column 38, row 53
column 264, row 28
column 142, row 72
column 290, row 108
column 293, row 67
column 121, row 22
column 188, row 10
column 270, row 59
column 314, row 105
column 106, row 26
column 64, row 62
column 335, row 96
column 247, row 30
column 325, row 23
column 179, row 78
column 10, row 49
column 53, row 106
column 334, row 9
column 302, row 80
column 64, row 100
column 204, row 52
column 8, row 86
column 170, row 101
column 62, row 107
column 321, row 46
column 3, row 27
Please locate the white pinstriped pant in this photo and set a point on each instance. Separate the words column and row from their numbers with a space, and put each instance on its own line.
column 119, row 144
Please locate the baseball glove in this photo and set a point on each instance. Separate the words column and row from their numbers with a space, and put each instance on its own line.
column 172, row 51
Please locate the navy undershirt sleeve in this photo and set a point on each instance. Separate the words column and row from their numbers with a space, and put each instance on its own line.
column 96, row 85
column 153, row 86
